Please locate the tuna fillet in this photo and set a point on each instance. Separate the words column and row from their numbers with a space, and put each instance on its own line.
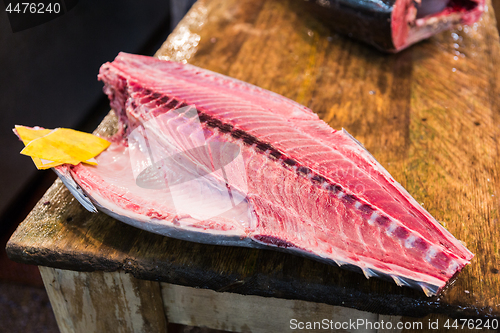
column 203, row 157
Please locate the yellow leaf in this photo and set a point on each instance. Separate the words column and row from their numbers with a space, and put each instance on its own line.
column 50, row 148
column 28, row 134
column 42, row 164
column 91, row 161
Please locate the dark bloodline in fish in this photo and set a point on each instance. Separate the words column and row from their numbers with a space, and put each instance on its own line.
column 370, row 213
column 367, row 230
column 274, row 241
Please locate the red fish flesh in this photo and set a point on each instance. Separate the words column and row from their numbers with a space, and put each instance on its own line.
column 203, row 157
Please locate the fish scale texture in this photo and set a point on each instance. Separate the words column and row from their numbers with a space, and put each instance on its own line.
column 304, row 187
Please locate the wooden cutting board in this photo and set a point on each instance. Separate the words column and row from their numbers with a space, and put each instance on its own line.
column 429, row 114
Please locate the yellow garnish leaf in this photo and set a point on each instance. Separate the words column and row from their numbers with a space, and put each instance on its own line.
column 42, row 164
column 28, row 134
column 91, row 161
column 50, row 148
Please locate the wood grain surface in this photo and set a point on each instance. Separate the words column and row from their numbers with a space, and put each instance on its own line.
column 429, row 114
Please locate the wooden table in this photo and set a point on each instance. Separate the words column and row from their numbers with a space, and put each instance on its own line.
column 429, row 114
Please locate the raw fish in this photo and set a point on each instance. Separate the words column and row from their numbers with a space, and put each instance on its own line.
column 204, row 157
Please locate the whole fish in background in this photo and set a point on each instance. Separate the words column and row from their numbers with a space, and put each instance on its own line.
column 393, row 25
column 203, row 157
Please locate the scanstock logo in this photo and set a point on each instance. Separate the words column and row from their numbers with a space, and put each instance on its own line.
column 24, row 15
column 202, row 177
